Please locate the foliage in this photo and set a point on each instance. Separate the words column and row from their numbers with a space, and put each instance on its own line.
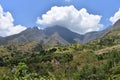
column 73, row 62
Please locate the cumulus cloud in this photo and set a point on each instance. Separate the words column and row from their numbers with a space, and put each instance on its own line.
column 116, row 17
column 6, row 24
column 79, row 21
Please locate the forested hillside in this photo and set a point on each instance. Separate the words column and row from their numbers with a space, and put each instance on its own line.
column 60, row 40
column 31, row 61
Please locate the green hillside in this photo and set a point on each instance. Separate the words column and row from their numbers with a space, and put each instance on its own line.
column 74, row 62
column 96, row 60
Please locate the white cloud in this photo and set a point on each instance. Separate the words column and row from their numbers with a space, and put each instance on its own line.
column 6, row 24
column 79, row 21
column 116, row 17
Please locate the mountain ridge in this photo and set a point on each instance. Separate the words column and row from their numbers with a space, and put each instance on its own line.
column 65, row 35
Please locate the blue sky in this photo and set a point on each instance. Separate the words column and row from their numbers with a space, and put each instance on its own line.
column 26, row 12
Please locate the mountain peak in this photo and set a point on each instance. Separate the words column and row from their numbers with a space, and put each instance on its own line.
column 58, row 34
column 33, row 28
column 63, row 32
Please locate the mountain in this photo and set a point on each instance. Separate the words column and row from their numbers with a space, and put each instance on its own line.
column 65, row 33
column 55, row 39
column 111, row 37
column 98, row 59
column 114, row 33
column 58, row 35
column 1, row 37
column 29, row 34
column 92, row 36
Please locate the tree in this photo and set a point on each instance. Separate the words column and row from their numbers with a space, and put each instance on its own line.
column 38, row 48
column 21, row 70
column 64, row 58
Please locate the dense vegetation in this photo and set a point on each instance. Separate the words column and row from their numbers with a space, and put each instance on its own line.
column 97, row 60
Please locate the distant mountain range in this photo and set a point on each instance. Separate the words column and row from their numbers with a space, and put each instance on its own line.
column 56, row 35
